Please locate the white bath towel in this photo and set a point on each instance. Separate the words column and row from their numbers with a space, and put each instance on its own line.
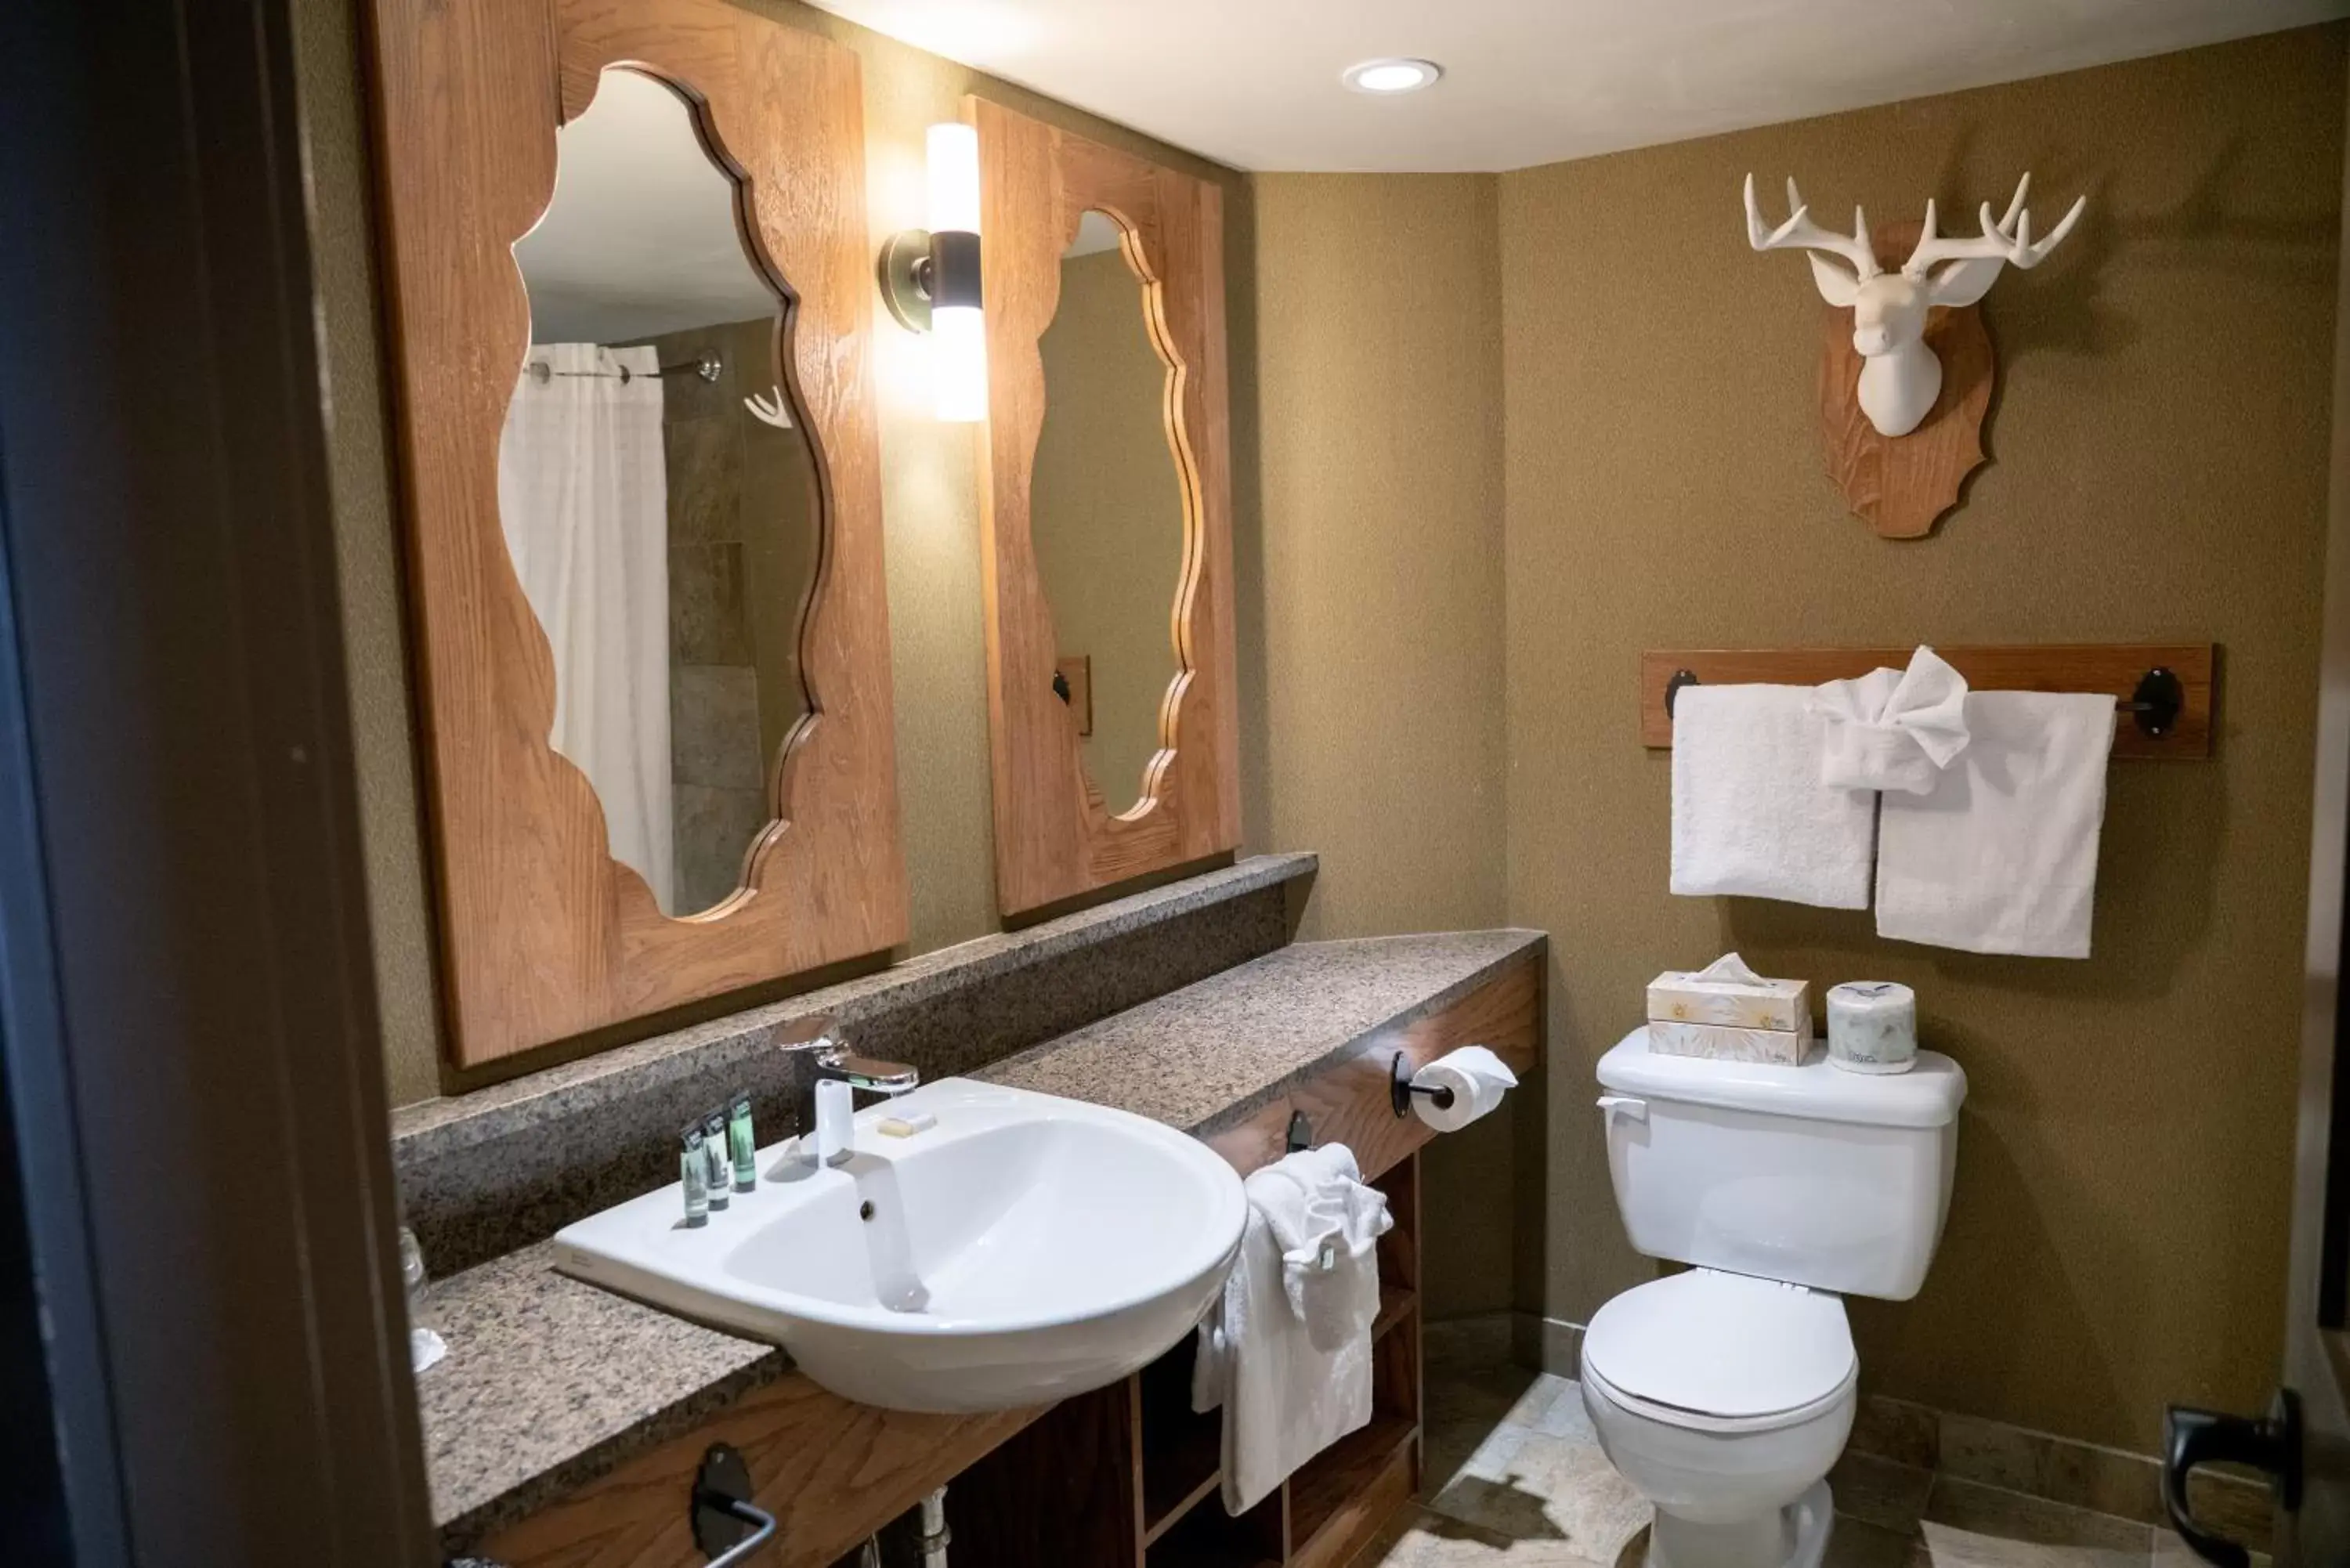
column 1750, row 813
column 2001, row 857
column 1287, row 1353
column 1893, row 730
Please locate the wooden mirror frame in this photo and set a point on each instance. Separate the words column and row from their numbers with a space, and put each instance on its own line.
column 1057, row 838
column 543, row 935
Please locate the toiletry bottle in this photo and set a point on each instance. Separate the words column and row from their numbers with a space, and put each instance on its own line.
column 738, row 1143
column 713, row 1152
column 694, row 1169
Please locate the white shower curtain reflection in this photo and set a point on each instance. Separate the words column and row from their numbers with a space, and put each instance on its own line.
column 583, row 492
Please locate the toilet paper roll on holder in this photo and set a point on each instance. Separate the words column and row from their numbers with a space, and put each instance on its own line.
column 1400, row 1088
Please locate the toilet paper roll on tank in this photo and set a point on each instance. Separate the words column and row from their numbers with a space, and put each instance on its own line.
column 1872, row 1026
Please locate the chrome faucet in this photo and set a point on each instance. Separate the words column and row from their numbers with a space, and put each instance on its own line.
column 829, row 1060
column 889, row 1079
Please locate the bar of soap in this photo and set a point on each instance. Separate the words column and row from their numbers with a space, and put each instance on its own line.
column 906, row 1126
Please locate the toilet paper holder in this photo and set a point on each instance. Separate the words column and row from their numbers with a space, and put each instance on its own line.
column 1400, row 1089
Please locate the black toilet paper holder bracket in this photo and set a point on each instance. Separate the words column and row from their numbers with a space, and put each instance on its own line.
column 1400, row 1088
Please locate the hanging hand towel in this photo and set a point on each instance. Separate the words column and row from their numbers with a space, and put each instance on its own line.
column 1893, row 731
column 1750, row 813
column 2001, row 857
column 1289, row 1355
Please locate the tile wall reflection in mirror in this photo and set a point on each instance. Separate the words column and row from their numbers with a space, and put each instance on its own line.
column 658, row 492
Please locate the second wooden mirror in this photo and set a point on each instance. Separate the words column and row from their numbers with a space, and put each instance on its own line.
column 1113, row 719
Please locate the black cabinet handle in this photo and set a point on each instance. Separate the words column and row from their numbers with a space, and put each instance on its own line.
column 2190, row 1438
column 728, row 1528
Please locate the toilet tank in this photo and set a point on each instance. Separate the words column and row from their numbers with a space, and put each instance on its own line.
column 1810, row 1174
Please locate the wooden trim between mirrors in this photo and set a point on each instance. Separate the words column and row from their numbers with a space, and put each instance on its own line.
column 1057, row 838
column 543, row 935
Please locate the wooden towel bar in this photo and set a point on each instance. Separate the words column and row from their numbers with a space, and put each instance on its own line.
column 2165, row 689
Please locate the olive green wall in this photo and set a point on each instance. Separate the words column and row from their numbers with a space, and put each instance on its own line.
column 1105, row 513
column 1380, row 300
column 2160, row 448
column 929, row 510
column 1380, row 377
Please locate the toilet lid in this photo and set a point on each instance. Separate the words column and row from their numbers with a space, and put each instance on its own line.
column 1721, row 1344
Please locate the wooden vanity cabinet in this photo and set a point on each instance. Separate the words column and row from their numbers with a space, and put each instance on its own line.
column 1125, row 1476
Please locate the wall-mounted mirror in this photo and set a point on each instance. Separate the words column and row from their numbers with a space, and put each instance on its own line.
column 1106, row 509
column 658, row 494
column 631, row 292
column 1113, row 717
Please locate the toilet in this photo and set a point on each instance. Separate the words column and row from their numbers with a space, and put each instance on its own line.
column 1725, row 1393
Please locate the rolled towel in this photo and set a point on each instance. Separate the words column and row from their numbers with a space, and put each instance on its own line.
column 1289, row 1357
column 1476, row 1078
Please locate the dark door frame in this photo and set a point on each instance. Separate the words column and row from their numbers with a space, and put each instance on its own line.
column 192, row 1067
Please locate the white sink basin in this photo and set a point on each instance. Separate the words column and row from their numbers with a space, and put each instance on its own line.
column 1026, row 1248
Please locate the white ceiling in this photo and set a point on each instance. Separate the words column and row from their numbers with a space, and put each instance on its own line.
column 639, row 239
column 1254, row 83
column 1097, row 232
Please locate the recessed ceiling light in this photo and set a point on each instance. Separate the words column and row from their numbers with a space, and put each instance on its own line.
column 1384, row 77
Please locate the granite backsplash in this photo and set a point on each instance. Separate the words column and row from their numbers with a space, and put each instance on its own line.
column 485, row 1173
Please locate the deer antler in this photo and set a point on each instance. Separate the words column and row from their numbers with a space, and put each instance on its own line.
column 770, row 408
column 2007, row 241
column 1799, row 233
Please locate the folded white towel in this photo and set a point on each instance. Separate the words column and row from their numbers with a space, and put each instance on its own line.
column 1288, row 1352
column 1750, row 813
column 2001, row 857
column 1893, row 731
column 1476, row 1078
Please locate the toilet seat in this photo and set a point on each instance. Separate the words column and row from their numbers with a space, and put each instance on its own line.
column 1724, row 1352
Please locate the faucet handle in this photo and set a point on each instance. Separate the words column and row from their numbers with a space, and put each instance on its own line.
column 837, row 1061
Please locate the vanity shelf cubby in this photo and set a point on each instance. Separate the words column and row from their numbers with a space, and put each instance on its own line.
column 1130, row 1475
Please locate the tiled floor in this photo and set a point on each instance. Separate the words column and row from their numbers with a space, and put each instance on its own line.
column 1516, row 1480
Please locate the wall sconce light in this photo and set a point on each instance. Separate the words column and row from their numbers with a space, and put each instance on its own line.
column 930, row 278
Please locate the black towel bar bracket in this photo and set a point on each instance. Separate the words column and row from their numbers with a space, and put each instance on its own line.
column 1301, row 1133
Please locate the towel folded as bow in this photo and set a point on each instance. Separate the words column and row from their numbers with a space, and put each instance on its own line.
column 1892, row 730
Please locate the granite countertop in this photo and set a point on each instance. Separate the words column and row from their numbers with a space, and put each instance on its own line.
column 550, row 1382
column 1210, row 1054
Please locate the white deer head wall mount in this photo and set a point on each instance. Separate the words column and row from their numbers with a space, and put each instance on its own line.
column 1900, row 377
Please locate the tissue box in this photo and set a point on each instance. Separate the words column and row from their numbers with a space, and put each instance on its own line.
column 1784, row 1006
column 1731, row 1042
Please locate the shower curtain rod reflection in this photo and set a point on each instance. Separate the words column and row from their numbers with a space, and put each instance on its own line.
column 706, row 365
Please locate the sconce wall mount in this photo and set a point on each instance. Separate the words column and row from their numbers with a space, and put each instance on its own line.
column 930, row 278
column 923, row 270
